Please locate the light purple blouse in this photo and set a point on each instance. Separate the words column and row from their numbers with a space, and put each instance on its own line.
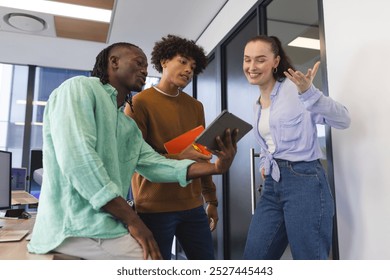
column 293, row 120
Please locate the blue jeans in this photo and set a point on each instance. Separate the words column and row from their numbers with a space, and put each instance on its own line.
column 190, row 227
column 297, row 210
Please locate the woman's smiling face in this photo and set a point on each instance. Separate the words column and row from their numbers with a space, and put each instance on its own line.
column 259, row 62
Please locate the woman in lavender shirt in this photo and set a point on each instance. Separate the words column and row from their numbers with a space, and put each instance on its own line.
column 296, row 206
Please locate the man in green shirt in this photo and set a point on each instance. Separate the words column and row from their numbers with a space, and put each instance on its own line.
column 90, row 151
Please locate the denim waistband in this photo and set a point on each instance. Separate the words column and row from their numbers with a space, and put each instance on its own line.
column 283, row 162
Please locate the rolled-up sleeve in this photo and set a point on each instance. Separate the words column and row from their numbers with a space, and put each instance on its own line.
column 157, row 168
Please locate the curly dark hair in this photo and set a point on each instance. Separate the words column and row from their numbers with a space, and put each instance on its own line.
column 277, row 49
column 173, row 45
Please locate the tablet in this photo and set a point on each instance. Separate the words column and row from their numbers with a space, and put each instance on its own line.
column 224, row 121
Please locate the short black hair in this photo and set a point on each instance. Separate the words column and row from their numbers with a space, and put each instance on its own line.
column 101, row 64
column 173, row 45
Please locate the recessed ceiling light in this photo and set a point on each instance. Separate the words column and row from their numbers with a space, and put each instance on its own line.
column 25, row 22
column 303, row 42
column 59, row 9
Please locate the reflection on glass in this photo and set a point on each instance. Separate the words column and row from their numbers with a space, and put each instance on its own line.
column 298, row 30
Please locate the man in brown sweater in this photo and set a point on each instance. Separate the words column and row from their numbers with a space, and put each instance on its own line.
column 162, row 113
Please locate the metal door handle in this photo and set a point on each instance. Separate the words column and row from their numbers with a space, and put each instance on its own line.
column 253, row 183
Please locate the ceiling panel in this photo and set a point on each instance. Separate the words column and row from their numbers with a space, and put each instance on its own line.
column 81, row 29
column 102, row 4
column 141, row 22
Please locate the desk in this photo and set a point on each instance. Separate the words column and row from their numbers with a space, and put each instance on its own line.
column 18, row 250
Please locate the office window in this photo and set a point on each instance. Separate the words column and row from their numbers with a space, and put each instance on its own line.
column 5, row 97
column 14, row 105
column 151, row 81
column 46, row 80
column 13, row 91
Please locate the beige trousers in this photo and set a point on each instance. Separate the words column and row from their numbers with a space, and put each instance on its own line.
column 121, row 248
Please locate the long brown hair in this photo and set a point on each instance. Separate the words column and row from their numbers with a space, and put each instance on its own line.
column 276, row 47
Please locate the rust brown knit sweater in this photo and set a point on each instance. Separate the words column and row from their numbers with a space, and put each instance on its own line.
column 160, row 119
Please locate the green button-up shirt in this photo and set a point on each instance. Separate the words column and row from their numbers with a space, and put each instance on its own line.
column 90, row 151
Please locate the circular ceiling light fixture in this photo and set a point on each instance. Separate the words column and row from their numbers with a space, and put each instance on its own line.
column 25, row 22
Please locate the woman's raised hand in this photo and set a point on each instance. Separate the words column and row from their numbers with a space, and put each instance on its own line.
column 302, row 81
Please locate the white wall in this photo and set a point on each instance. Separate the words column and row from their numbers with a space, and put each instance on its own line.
column 357, row 48
column 228, row 17
column 59, row 52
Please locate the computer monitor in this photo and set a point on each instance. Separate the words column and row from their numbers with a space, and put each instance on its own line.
column 5, row 179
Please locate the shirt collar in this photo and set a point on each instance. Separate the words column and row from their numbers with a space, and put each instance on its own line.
column 111, row 91
column 274, row 92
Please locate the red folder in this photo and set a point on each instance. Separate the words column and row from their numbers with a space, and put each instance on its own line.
column 179, row 143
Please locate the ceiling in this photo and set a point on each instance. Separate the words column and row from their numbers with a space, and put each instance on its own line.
column 141, row 22
column 71, row 43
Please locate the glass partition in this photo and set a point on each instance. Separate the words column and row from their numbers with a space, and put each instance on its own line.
column 13, row 95
column 298, row 31
column 297, row 25
column 296, row 28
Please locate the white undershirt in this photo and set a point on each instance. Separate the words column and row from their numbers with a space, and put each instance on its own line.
column 264, row 129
